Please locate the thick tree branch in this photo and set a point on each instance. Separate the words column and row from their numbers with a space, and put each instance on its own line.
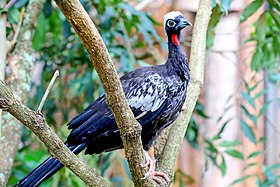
column 179, row 127
column 130, row 129
column 36, row 122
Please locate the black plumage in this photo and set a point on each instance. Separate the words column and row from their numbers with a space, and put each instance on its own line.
column 155, row 94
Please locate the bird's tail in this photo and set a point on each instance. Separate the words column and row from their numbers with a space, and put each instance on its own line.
column 45, row 170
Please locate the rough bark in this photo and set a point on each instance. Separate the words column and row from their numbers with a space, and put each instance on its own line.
column 3, row 54
column 170, row 151
column 19, row 80
column 130, row 129
column 36, row 122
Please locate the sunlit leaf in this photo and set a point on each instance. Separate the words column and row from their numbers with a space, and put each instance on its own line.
column 250, row 9
column 214, row 20
column 261, row 28
column 227, row 143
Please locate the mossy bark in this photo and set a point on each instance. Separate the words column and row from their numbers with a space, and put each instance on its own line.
column 20, row 63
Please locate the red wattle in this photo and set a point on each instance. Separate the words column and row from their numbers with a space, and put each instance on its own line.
column 175, row 39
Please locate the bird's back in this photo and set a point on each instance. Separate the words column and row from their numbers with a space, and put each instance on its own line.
column 155, row 96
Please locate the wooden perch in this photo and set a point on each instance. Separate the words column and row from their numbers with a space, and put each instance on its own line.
column 130, row 129
column 36, row 122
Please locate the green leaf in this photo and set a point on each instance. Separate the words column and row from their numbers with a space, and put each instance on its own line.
column 249, row 115
column 247, row 130
column 263, row 108
column 256, row 60
column 261, row 29
column 39, row 37
column 241, row 179
column 275, row 4
column 13, row 15
column 218, row 135
column 254, row 154
column 225, row 5
column 234, row 153
column 274, row 166
column 275, row 17
column 199, row 109
column 214, row 20
column 229, row 143
column 250, row 10
column 262, row 139
column 248, row 98
column 261, row 93
column 223, row 167
column 249, row 166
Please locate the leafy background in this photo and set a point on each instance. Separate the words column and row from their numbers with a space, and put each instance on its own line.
column 129, row 34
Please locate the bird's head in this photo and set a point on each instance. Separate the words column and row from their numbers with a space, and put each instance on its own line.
column 174, row 22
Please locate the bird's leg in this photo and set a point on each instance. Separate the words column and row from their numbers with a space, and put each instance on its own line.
column 152, row 170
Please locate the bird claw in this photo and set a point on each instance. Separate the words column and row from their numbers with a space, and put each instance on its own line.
column 148, row 159
column 155, row 175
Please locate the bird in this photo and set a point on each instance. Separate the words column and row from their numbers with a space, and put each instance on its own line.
column 155, row 95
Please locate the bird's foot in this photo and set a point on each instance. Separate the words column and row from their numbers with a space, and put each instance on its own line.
column 155, row 175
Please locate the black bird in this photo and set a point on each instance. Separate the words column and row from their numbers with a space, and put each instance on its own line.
column 155, row 95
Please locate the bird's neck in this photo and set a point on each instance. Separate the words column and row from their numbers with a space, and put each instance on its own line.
column 174, row 38
column 177, row 60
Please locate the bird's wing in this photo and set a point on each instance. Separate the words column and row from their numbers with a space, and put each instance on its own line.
column 146, row 96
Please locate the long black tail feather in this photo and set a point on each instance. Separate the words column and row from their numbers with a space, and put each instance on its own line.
column 45, row 170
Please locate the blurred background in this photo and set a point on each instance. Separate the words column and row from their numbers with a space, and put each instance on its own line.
column 233, row 137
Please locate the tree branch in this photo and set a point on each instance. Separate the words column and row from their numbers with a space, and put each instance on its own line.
column 130, row 129
column 36, row 122
column 19, row 80
column 179, row 127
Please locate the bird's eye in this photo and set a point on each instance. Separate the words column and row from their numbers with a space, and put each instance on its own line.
column 171, row 23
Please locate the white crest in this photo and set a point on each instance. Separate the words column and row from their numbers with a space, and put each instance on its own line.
column 171, row 15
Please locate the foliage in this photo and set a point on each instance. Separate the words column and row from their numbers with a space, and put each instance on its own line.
column 266, row 35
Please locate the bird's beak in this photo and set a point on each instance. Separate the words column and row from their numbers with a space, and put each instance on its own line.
column 183, row 23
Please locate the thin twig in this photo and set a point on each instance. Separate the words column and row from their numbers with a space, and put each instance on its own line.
column 55, row 75
column 11, row 44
